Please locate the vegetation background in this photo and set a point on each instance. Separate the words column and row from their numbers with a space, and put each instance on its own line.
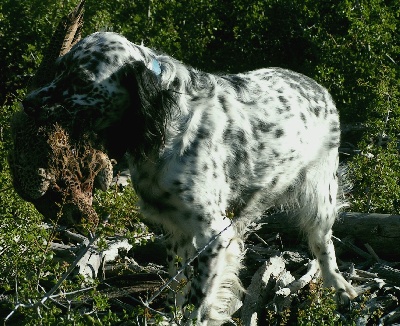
column 349, row 46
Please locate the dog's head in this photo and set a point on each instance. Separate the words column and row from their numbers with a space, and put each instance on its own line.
column 86, row 83
column 105, row 84
column 106, row 99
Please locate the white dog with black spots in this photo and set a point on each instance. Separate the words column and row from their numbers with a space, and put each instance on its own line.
column 202, row 145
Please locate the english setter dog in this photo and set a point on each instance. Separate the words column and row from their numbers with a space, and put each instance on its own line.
column 202, row 145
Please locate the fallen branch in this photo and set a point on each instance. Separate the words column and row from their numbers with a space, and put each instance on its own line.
column 391, row 317
column 357, row 250
column 380, row 231
column 372, row 252
column 389, row 274
column 93, row 259
column 255, row 295
column 297, row 285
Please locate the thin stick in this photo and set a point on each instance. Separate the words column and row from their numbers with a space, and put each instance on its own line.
column 126, row 294
column 359, row 251
column 372, row 252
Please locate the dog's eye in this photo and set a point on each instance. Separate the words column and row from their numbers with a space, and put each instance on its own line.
column 80, row 83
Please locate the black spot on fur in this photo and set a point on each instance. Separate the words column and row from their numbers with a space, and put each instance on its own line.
column 227, row 136
column 283, row 100
column 335, row 128
column 265, row 126
column 333, row 144
column 203, row 133
column 242, row 137
column 176, row 83
column 237, row 82
column 279, row 133
column 222, row 100
column 177, row 183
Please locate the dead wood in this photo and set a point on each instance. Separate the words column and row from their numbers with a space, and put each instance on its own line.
column 278, row 287
column 389, row 274
column 297, row 285
column 286, row 274
column 380, row 231
column 90, row 265
column 263, row 280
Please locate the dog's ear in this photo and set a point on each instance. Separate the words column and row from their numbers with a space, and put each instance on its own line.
column 141, row 128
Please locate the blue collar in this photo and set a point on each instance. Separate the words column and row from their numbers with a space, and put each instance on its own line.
column 156, row 67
